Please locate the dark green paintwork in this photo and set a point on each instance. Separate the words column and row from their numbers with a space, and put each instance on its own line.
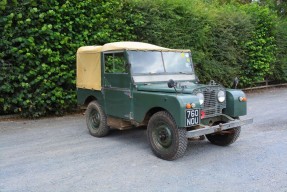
column 117, row 80
column 116, row 91
column 162, row 135
column 117, row 94
column 234, row 107
column 162, row 87
column 171, row 102
column 84, row 94
column 118, row 102
column 121, row 98
column 135, row 104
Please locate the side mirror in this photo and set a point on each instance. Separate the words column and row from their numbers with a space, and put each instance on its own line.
column 235, row 82
column 171, row 83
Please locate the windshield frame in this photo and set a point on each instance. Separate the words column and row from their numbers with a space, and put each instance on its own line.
column 192, row 72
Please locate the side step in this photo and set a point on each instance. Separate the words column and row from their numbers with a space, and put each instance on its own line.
column 119, row 123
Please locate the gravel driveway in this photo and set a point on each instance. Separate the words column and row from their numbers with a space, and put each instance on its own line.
column 58, row 154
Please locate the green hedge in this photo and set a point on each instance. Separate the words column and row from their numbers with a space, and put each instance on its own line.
column 39, row 40
column 261, row 48
column 227, row 41
column 280, row 67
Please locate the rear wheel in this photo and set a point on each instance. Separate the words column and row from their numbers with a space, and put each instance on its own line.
column 225, row 137
column 167, row 141
column 96, row 120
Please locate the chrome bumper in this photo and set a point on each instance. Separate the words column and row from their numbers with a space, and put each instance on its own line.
column 217, row 128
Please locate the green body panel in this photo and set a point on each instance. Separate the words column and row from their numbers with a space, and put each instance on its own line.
column 115, row 102
column 117, row 94
column 120, row 80
column 84, row 94
column 175, row 104
column 162, row 87
column 118, row 102
column 234, row 107
column 129, row 103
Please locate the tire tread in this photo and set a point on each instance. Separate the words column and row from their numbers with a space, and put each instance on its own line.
column 103, row 129
column 180, row 134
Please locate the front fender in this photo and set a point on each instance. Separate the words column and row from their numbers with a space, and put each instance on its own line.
column 234, row 107
column 175, row 104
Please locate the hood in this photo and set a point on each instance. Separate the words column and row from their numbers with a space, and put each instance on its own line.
column 162, row 87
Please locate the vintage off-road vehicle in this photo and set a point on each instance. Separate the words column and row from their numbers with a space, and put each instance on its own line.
column 131, row 84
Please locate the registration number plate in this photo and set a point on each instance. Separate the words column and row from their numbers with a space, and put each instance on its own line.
column 192, row 117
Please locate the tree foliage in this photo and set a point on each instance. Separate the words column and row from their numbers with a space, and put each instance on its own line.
column 261, row 47
column 280, row 6
column 39, row 40
column 38, row 46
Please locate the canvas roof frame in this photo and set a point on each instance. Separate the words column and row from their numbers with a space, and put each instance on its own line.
column 89, row 60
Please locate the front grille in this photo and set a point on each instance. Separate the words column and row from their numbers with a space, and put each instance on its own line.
column 211, row 106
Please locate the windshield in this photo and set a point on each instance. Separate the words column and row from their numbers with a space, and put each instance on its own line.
column 155, row 62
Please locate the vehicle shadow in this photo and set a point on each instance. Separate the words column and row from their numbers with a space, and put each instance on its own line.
column 138, row 138
column 137, row 135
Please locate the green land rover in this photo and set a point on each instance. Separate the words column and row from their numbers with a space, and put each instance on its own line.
column 131, row 84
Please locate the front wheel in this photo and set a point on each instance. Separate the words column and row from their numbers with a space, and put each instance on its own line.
column 225, row 137
column 167, row 141
column 96, row 120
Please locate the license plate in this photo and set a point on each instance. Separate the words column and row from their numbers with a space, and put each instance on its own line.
column 192, row 117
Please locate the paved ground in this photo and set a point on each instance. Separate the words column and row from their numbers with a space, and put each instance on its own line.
column 58, row 154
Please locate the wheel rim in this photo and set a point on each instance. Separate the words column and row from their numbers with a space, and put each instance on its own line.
column 94, row 119
column 162, row 136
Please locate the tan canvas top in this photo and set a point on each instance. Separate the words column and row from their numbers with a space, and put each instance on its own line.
column 89, row 60
column 90, row 49
column 89, row 67
column 130, row 45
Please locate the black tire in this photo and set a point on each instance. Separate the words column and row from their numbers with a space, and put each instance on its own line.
column 96, row 120
column 224, row 139
column 167, row 141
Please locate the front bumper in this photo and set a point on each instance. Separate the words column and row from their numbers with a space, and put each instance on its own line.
column 218, row 128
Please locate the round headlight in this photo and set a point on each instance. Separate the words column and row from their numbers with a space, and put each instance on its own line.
column 221, row 96
column 200, row 97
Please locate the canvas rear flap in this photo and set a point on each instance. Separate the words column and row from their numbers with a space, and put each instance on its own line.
column 89, row 67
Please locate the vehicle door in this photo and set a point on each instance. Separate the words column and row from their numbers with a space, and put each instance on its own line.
column 117, row 85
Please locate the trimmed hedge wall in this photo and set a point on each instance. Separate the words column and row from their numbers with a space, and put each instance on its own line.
column 39, row 40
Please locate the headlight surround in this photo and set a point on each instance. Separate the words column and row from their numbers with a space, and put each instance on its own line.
column 221, row 96
column 200, row 97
